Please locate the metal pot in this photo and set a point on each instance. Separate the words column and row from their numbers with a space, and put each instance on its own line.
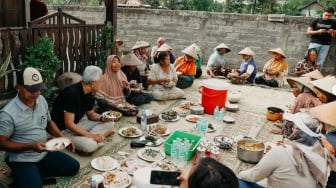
column 274, row 113
column 250, row 150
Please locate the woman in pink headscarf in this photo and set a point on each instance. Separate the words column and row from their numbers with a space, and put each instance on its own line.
column 115, row 87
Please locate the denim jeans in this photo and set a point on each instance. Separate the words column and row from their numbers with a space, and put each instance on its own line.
column 246, row 184
column 322, row 52
column 54, row 164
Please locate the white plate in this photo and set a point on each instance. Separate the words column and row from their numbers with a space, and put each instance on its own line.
column 164, row 165
column 57, row 143
column 150, row 126
column 192, row 118
column 120, row 180
column 131, row 165
column 231, row 107
column 228, row 119
column 333, row 89
column 104, row 163
column 159, row 154
column 138, row 132
column 158, row 141
column 172, row 120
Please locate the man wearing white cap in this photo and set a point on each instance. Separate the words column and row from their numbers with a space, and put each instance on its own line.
column 216, row 62
column 24, row 123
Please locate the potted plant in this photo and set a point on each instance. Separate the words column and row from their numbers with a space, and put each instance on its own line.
column 42, row 57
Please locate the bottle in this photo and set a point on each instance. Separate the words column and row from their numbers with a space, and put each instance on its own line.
column 215, row 114
column 174, row 150
column 143, row 124
column 222, row 113
column 203, row 128
column 182, row 155
column 93, row 183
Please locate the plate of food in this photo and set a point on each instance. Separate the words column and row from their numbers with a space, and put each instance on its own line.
column 169, row 116
column 181, row 111
column 58, row 143
column 164, row 165
column 131, row 165
column 192, row 118
column 114, row 115
column 117, row 179
column 104, row 163
column 152, row 140
column 130, row 132
column 158, row 129
column 151, row 154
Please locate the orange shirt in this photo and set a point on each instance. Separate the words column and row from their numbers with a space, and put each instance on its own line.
column 188, row 68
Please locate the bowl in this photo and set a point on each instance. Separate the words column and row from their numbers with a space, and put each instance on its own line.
column 114, row 115
column 234, row 97
column 274, row 113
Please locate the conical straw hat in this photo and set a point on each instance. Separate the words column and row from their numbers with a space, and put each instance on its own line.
column 304, row 81
column 327, row 84
column 325, row 113
column 222, row 45
column 316, row 74
column 190, row 50
column 278, row 51
column 247, row 51
column 130, row 59
column 140, row 44
column 164, row 48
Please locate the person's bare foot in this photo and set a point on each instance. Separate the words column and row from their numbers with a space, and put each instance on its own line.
column 109, row 133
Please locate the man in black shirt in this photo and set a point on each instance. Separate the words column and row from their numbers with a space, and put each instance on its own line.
column 321, row 31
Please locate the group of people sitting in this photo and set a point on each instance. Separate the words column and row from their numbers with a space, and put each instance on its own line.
column 25, row 121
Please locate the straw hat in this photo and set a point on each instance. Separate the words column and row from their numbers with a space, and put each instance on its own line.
column 304, row 81
column 278, row 51
column 325, row 113
column 119, row 42
column 197, row 48
column 222, row 45
column 130, row 59
column 327, row 84
column 164, row 48
column 191, row 50
column 247, row 51
column 140, row 44
column 316, row 74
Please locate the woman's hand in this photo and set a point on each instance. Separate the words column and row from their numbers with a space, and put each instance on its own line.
column 183, row 178
column 125, row 84
column 98, row 137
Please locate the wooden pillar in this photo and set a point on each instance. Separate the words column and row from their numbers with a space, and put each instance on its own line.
column 111, row 18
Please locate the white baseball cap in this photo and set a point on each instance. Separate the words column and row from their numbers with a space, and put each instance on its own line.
column 31, row 79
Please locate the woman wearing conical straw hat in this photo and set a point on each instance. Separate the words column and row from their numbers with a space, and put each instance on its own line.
column 216, row 62
column 248, row 68
column 274, row 70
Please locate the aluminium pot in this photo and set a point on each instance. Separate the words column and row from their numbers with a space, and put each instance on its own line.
column 250, row 150
column 274, row 114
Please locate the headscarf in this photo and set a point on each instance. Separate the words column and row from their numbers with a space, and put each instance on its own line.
column 112, row 82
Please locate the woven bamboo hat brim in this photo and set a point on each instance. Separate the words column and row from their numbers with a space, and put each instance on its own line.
column 164, row 48
column 191, row 50
column 130, row 60
column 327, row 84
column 247, row 51
column 304, row 81
column 316, row 74
column 278, row 51
column 140, row 44
column 325, row 113
column 222, row 45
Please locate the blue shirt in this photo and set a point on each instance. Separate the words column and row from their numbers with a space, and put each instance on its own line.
column 25, row 125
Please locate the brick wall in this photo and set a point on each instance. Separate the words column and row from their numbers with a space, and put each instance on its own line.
column 182, row 28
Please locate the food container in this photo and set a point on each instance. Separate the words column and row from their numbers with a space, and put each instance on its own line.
column 274, row 114
column 198, row 110
column 195, row 140
column 114, row 115
column 223, row 142
column 153, row 118
column 250, row 150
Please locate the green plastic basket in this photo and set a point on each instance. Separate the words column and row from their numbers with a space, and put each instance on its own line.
column 182, row 134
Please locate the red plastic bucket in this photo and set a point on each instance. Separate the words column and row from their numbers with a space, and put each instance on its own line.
column 214, row 93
